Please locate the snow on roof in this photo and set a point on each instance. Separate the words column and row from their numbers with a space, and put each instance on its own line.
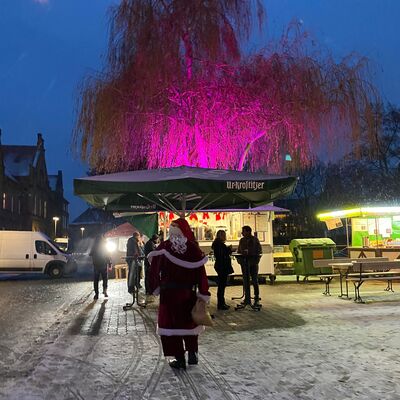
column 18, row 159
column 53, row 182
column 9, row 176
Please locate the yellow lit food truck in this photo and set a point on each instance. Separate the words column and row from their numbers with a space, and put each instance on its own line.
column 371, row 231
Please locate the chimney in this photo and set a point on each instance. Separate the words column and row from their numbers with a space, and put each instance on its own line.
column 40, row 141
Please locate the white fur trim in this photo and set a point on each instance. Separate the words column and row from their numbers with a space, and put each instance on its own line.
column 204, row 297
column 180, row 332
column 175, row 260
column 156, row 291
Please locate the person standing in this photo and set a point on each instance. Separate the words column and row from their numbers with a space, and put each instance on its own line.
column 134, row 258
column 223, row 266
column 150, row 246
column 176, row 270
column 100, row 260
column 250, row 248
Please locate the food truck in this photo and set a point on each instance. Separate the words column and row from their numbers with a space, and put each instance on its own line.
column 205, row 225
column 371, row 231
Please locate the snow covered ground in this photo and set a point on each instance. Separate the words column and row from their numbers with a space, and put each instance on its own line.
column 301, row 345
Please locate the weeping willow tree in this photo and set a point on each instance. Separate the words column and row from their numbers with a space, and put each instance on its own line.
column 177, row 90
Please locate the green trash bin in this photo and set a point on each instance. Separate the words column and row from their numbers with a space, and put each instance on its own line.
column 305, row 251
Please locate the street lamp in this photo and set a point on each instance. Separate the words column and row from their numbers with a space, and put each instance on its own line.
column 55, row 219
column 82, row 230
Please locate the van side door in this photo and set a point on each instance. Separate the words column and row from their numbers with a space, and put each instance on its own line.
column 43, row 252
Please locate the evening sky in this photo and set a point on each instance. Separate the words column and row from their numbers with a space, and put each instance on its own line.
column 48, row 46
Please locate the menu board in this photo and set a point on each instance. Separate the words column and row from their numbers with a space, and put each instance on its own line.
column 374, row 226
column 359, row 224
column 262, row 222
column 249, row 219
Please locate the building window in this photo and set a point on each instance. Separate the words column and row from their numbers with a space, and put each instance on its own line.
column 45, row 209
column 4, row 201
column 12, row 203
column 19, row 206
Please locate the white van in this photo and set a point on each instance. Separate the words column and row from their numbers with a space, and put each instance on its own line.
column 28, row 252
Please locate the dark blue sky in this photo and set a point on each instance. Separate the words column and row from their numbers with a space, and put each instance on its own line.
column 48, row 46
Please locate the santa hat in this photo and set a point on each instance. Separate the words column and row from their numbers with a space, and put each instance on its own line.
column 183, row 225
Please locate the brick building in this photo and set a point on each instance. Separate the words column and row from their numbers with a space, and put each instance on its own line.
column 30, row 198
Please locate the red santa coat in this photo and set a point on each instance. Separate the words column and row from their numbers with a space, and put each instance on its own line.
column 173, row 276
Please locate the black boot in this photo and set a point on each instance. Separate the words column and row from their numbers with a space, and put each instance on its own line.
column 178, row 363
column 192, row 358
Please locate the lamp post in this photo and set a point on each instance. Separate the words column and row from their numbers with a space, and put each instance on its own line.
column 82, row 230
column 55, row 219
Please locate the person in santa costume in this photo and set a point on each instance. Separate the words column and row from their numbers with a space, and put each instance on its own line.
column 178, row 275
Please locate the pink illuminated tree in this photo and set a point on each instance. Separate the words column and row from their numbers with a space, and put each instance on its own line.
column 177, row 91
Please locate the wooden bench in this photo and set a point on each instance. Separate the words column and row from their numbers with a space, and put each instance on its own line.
column 327, row 278
column 377, row 270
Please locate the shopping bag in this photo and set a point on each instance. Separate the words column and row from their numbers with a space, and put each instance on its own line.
column 200, row 314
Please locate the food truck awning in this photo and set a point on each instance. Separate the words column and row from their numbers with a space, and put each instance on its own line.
column 360, row 212
column 182, row 188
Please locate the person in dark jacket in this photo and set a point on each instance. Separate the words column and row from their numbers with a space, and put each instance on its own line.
column 100, row 260
column 134, row 258
column 250, row 248
column 223, row 266
column 150, row 246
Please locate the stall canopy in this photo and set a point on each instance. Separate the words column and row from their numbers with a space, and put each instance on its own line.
column 125, row 229
column 182, row 188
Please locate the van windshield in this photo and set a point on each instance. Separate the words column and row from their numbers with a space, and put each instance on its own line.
column 57, row 247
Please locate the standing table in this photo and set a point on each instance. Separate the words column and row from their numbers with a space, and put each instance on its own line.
column 243, row 260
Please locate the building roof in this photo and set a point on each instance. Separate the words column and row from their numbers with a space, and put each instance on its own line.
column 18, row 159
column 92, row 216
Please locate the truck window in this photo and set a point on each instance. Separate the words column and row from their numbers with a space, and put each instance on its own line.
column 44, row 248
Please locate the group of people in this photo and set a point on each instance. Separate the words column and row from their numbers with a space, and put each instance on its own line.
column 175, row 270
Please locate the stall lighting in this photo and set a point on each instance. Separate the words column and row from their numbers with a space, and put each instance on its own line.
column 354, row 212
column 111, row 246
column 359, row 212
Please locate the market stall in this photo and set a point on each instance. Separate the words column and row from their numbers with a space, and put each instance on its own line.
column 371, row 231
column 205, row 225
column 192, row 192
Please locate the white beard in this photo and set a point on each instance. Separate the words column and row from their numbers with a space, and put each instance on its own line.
column 177, row 239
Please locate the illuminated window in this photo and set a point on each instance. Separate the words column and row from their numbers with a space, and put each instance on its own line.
column 4, row 201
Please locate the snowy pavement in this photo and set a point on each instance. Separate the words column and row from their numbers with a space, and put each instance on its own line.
column 301, row 345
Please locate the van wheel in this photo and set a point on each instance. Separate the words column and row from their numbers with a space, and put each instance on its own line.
column 56, row 271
